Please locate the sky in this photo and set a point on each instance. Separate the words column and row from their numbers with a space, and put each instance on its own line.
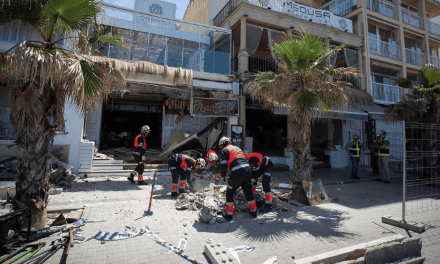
column 181, row 5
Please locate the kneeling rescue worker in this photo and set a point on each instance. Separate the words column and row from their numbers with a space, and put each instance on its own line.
column 233, row 159
column 262, row 165
column 212, row 159
column 183, row 165
column 139, row 151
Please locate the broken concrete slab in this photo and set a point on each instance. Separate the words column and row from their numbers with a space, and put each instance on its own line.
column 394, row 252
column 74, row 216
column 396, row 221
column 348, row 253
column 219, row 254
column 53, row 191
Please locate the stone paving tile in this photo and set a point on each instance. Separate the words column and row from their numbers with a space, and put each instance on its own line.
column 354, row 218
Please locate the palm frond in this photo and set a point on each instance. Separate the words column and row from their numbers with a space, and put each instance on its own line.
column 27, row 11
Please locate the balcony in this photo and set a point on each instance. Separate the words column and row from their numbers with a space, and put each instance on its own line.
column 342, row 9
column 386, row 94
column 433, row 27
column 411, row 18
column 415, row 57
column 224, row 13
column 385, row 49
column 435, row 61
column 167, row 41
column 383, row 7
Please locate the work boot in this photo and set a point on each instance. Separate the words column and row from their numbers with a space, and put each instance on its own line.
column 228, row 217
column 267, row 208
column 174, row 195
column 254, row 214
column 181, row 190
column 131, row 178
column 142, row 183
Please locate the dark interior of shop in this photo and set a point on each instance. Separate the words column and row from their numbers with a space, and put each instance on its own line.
column 268, row 130
column 120, row 128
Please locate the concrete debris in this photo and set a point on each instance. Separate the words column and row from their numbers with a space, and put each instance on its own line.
column 53, row 191
column 60, row 220
column 206, row 215
column 62, row 174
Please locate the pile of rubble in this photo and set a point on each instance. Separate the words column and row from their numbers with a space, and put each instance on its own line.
column 210, row 202
column 61, row 174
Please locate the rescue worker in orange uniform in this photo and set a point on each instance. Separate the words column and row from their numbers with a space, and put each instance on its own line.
column 140, row 147
column 262, row 165
column 211, row 158
column 183, row 165
column 232, row 158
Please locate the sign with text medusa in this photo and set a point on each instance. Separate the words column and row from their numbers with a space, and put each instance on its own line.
column 318, row 16
column 215, row 107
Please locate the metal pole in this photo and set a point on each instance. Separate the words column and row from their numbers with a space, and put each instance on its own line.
column 404, row 168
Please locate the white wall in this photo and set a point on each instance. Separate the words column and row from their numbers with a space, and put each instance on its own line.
column 93, row 125
column 74, row 129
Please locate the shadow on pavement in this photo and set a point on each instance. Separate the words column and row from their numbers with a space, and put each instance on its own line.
column 321, row 223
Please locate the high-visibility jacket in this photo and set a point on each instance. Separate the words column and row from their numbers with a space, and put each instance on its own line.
column 185, row 162
column 355, row 149
column 249, row 156
column 383, row 152
column 140, row 145
column 232, row 158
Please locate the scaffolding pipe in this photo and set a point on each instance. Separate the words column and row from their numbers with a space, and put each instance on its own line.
column 404, row 168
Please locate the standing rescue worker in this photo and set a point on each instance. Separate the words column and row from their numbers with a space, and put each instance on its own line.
column 183, row 165
column 261, row 165
column 354, row 151
column 140, row 147
column 374, row 157
column 212, row 165
column 383, row 152
column 233, row 159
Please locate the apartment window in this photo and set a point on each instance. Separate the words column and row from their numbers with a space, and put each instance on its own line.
column 413, row 51
column 408, row 7
column 413, row 44
column 383, row 76
column 382, row 42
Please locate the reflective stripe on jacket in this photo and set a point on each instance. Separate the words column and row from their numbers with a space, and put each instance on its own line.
column 355, row 151
column 383, row 152
column 234, row 153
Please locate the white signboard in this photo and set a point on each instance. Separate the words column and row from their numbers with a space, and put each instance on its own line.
column 318, row 16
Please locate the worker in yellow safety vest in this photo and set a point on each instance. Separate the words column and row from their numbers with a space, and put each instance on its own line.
column 383, row 153
column 354, row 151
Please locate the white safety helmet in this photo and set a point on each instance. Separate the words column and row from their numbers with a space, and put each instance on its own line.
column 212, row 157
column 200, row 163
column 145, row 129
column 224, row 141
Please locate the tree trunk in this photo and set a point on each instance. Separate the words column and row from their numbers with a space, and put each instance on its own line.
column 30, row 117
column 302, row 159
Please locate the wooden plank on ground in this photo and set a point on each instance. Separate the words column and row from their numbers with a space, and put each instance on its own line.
column 73, row 216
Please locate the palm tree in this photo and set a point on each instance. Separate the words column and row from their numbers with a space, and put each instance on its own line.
column 421, row 105
column 310, row 89
column 58, row 67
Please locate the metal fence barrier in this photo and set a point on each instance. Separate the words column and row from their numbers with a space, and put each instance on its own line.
column 421, row 170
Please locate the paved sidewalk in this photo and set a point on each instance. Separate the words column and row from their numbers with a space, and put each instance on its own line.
column 353, row 219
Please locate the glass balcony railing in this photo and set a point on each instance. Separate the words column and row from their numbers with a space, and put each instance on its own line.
column 385, row 93
column 167, row 41
column 414, row 57
column 433, row 27
column 383, row 7
column 343, row 8
column 385, row 49
column 411, row 18
column 435, row 61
